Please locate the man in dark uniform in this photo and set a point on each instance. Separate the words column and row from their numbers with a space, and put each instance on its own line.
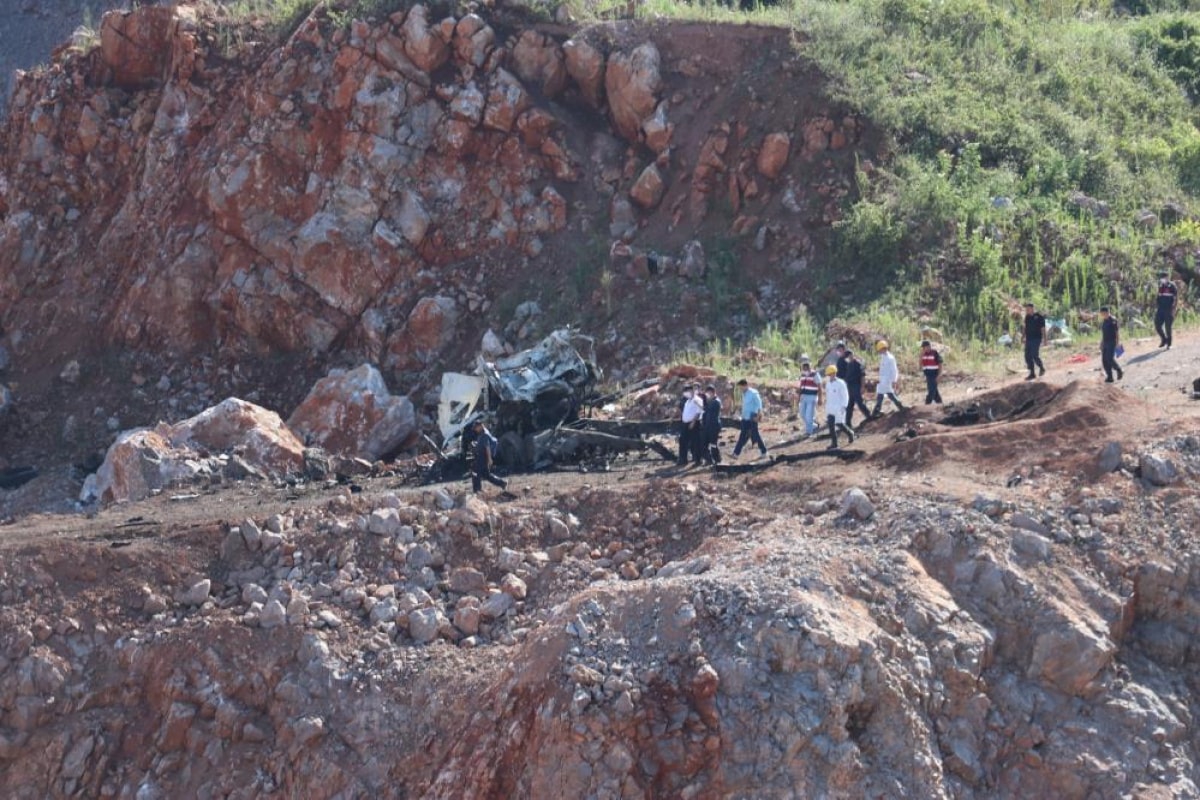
column 711, row 425
column 1035, row 331
column 855, row 374
column 843, row 359
column 1109, row 339
column 1164, row 314
column 485, row 447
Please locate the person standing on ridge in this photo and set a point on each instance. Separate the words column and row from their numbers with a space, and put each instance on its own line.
column 931, row 365
column 837, row 400
column 1164, row 314
column 854, row 377
column 810, row 394
column 1109, row 339
column 1035, row 332
column 751, row 413
column 889, row 378
column 711, row 426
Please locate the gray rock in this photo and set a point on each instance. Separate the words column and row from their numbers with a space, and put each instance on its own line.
column 509, row 560
column 253, row 593
column 512, row 585
column 1027, row 523
column 384, row 522
column 1109, row 458
column 557, row 528
column 419, row 557
column 252, row 534
column 465, row 580
column 1157, row 470
column 423, row 624
column 1031, row 544
column 197, row 593
column 273, row 615
column 275, row 523
column 855, row 503
column 496, row 606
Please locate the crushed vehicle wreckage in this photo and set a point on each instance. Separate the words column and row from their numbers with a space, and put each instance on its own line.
column 532, row 402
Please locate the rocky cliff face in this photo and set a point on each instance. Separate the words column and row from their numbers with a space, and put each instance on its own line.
column 369, row 188
column 389, row 191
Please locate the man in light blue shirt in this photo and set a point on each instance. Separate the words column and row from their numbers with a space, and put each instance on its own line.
column 751, row 412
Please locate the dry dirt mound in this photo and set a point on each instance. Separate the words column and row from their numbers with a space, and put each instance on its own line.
column 1023, row 424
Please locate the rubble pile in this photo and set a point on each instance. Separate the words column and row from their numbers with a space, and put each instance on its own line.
column 676, row 639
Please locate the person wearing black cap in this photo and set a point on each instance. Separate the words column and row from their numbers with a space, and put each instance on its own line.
column 843, row 358
column 711, row 426
column 854, row 377
column 1109, row 339
column 1035, row 331
column 1164, row 314
column 485, row 452
column 931, row 365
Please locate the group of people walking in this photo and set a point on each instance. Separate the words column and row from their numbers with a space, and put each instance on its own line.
column 840, row 386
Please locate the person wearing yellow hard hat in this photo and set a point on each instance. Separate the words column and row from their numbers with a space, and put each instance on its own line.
column 837, row 400
column 889, row 378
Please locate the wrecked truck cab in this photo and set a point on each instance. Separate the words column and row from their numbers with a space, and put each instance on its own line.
column 534, row 390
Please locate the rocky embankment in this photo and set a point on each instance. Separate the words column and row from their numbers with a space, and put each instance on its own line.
column 682, row 637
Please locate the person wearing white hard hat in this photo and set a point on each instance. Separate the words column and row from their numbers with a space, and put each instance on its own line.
column 837, row 400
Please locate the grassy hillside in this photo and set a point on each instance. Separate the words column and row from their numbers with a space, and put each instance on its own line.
column 1041, row 150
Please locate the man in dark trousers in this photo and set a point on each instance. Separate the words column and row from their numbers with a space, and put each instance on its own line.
column 690, row 420
column 752, row 407
column 711, row 426
column 1164, row 314
column 1109, row 339
column 485, row 449
column 1035, row 332
column 843, row 359
column 856, row 373
column 931, row 365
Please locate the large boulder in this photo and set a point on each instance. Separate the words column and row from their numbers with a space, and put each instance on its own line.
column 143, row 461
column 423, row 43
column 585, row 65
column 136, row 45
column 773, row 155
column 538, row 60
column 648, row 190
column 633, row 81
column 351, row 413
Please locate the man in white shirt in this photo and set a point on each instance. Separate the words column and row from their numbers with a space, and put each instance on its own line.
column 837, row 400
column 889, row 378
column 690, row 433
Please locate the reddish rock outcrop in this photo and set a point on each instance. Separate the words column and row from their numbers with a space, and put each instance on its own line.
column 352, row 414
column 632, row 83
column 143, row 461
column 773, row 155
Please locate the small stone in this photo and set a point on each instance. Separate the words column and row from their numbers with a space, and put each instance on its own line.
column 1156, row 470
column 423, row 624
column 465, row 580
column 253, row 593
column 275, row 523
column 1109, row 458
column 855, row 503
column 273, row 615
column 496, row 606
column 557, row 528
column 509, row 560
column 196, row 593
column 329, row 619
column 384, row 522
column 512, row 585
column 252, row 534
column 467, row 619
